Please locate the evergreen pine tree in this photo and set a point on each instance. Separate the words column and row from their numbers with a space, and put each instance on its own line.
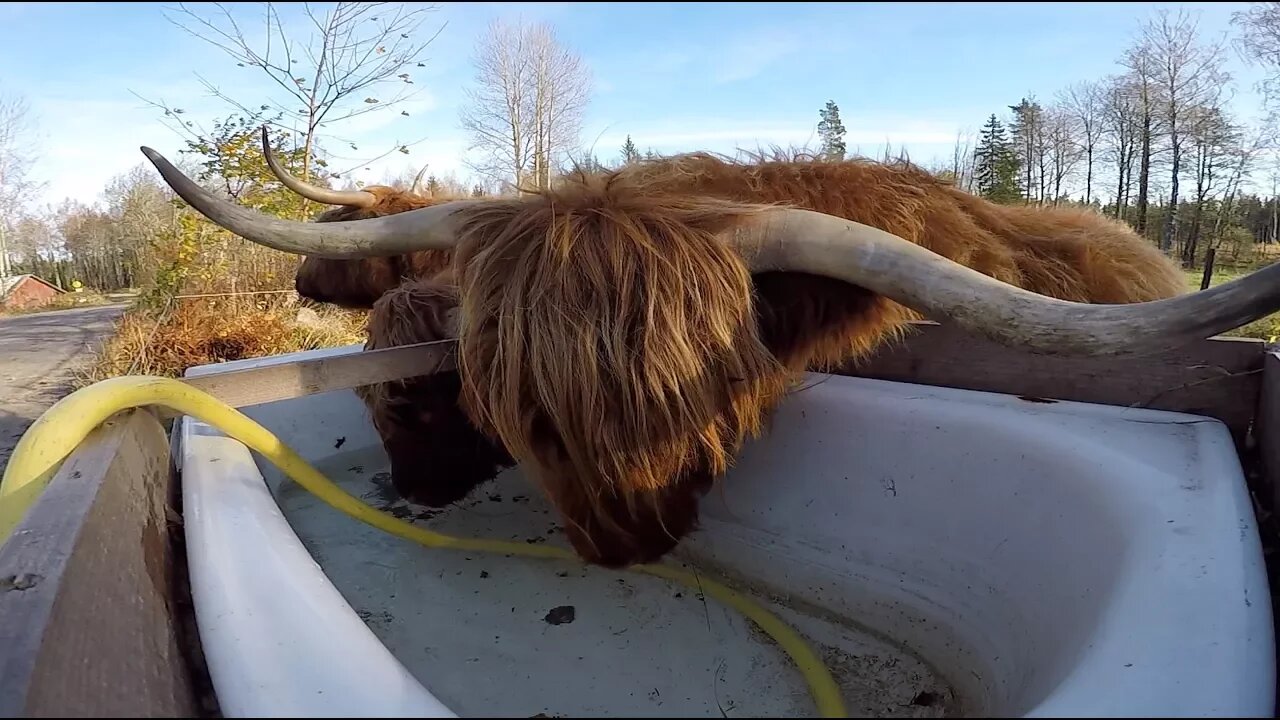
column 629, row 152
column 831, row 130
column 996, row 165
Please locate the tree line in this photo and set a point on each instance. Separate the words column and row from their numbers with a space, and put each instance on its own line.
column 1155, row 144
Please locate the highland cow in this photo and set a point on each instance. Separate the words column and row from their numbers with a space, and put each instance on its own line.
column 357, row 284
column 437, row 456
column 622, row 334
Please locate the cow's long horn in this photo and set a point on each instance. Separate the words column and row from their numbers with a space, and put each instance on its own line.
column 431, row 228
column 810, row 242
column 416, row 188
column 350, row 198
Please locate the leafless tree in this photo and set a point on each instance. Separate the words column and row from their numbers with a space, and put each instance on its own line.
column 332, row 76
column 1259, row 42
column 1212, row 140
column 1121, row 128
column 1243, row 154
column 1085, row 106
column 1141, row 80
column 35, row 244
column 16, row 158
column 1187, row 74
column 525, row 112
column 1062, row 151
column 962, row 161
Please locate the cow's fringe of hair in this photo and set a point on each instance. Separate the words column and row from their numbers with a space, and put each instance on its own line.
column 608, row 338
column 437, row 454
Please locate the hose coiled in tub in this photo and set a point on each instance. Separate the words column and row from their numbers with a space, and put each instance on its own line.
column 58, row 431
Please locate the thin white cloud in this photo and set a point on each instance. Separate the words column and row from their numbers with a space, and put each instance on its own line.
column 750, row 55
column 82, row 144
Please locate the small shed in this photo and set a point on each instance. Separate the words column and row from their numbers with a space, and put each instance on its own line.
column 22, row 291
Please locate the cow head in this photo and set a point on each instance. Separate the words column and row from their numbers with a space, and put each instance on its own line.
column 358, row 283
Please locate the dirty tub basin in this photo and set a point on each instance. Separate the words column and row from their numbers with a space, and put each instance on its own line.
column 947, row 553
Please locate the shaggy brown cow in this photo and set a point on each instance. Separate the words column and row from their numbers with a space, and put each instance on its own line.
column 621, row 335
column 356, row 284
column 437, row 456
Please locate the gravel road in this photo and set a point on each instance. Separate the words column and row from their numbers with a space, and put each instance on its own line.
column 39, row 355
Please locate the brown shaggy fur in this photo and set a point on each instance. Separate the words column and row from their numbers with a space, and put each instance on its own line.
column 1071, row 254
column 357, row 284
column 437, row 456
column 615, row 347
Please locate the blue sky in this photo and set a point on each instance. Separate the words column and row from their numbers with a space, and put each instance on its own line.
column 675, row 76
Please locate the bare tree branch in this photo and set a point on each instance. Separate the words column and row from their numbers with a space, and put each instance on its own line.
column 1187, row 74
column 16, row 158
column 1084, row 104
column 525, row 111
column 323, row 71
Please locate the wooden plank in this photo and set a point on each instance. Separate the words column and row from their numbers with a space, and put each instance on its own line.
column 1218, row 377
column 284, row 381
column 88, row 625
column 1267, row 430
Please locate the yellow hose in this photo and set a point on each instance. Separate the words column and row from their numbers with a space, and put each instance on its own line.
column 62, row 427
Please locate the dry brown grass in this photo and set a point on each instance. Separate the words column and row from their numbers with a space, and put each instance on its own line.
column 200, row 331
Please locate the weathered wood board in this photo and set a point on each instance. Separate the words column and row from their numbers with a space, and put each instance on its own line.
column 88, row 622
column 1217, row 377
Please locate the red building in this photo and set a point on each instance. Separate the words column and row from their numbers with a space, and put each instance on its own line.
column 21, row 291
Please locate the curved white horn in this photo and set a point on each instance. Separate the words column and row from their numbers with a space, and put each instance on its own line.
column 430, row 228
column 351, row 198
column 416, row 188
column 810, row 242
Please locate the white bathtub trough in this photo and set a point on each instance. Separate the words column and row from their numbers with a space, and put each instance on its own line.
column 948, row 553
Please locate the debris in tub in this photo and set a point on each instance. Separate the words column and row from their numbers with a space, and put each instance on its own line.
column 484, row 573
column 338, row 443
column 560, row 615
column 925, row 698
column 1034, row 399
